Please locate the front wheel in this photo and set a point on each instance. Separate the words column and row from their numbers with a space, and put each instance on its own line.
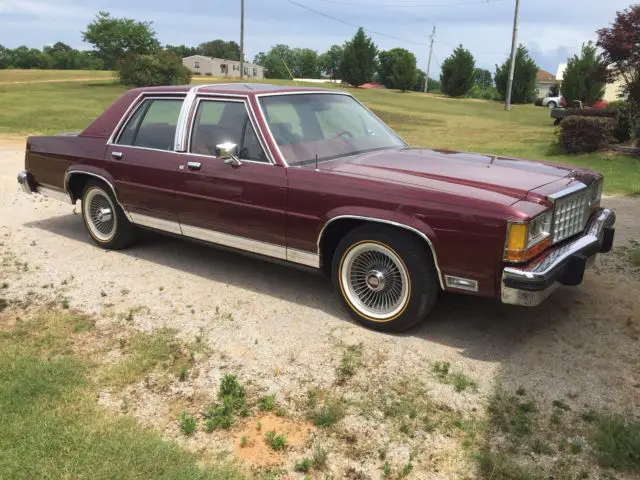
column 385, row 277
column 551, row 105
column 106, row 223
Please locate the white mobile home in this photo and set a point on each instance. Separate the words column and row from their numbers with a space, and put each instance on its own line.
column 219, row 67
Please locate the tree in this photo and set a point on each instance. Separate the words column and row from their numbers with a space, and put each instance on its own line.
column 404, row 71
column 524, row 78
column 329, row 61
column 585, row 77
column 182, row 50
column 458, row 72
column 397, row 69
column 305, row 63
column 220, row 49
column 114, row 38
column 160, row 68
column 359, row 59
column 483, row 78
column 5, row 57
column 554, row 91
column 274, row 61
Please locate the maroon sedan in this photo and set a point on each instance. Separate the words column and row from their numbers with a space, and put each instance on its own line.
column 311, row 177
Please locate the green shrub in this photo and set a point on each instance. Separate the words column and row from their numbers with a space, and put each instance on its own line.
column 622, row 133
column 579, row 134
column 276, row 442
column 188, row 423
column 617, row 442
column 162, row 68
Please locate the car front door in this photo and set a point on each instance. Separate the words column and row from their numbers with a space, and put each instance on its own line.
column 144, row 165
column 240, row 206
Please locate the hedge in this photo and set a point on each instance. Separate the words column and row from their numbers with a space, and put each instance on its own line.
column 583, row 134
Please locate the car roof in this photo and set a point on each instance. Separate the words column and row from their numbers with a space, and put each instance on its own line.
column 237, row 88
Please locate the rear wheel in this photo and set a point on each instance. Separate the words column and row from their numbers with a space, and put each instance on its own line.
column 106, row 223
column 552, row 105
column 385, row 277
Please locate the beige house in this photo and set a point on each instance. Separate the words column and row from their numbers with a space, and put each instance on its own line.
column 544, row 82
column 611, row 94
column 218, row 67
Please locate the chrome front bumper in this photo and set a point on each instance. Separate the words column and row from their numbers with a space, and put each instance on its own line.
column 531, row 284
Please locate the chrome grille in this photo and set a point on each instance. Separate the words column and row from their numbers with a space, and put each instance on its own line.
column 571, row 214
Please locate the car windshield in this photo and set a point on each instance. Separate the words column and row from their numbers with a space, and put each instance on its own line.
column 320, row 126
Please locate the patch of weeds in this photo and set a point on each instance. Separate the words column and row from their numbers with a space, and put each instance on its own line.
column 143, row 352
column 589, row 416
column 82, row 323
column 617, row 442
column 319, row 457
column 497, row 466
column 188, row 423
column 244, row 442
column 460, row 381
column 560, row 405
column 349, row 363
column 184, row 374
column 4, row 285
column 303, row 465
column 406, row 470
column 267, row 403
column 634, row 256
column 576, row 445
column 386, row 469
column 231, row 399
column 512, row 414
column 4, row 303
column 65, row 303
column 330, row 412
column 281, row 412
column 275, row 441
column 540, row 447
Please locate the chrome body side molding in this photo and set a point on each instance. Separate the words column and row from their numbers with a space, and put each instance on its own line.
column 393, row 224
column 156, row 223
column 266, row 249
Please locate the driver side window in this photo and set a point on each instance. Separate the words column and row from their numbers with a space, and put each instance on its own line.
column 219, row 122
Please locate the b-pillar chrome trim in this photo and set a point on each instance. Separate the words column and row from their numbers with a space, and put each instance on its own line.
column 387, row 222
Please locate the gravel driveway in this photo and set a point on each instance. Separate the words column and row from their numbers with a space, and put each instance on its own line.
column 282, row 331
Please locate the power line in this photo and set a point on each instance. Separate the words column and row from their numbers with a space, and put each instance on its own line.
column 344, row 22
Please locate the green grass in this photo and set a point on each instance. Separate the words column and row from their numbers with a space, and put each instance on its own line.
column 423, row 120
column 275, row 441
column 617, row 440
column 35, row 75
column 143, row 352
column 459, row 380
column 52, row 426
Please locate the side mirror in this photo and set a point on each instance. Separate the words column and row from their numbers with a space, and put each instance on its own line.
column 229, row 153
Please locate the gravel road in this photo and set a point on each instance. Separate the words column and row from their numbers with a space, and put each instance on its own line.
column 282, row 331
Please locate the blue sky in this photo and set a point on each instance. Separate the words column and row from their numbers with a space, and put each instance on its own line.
column 552, row 29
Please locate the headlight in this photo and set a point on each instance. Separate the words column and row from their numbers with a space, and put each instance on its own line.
column 526, row 240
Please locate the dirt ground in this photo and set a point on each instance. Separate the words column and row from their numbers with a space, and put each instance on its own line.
column 283, row 332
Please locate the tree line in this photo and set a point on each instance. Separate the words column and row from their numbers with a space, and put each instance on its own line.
column 127, row 45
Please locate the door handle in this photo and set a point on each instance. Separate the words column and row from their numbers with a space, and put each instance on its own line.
column 194, row 165
column 116, row 155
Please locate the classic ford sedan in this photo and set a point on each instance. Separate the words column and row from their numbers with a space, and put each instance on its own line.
column 312, row 177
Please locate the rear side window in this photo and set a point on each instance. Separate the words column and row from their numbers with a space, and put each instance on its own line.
column 153, row 125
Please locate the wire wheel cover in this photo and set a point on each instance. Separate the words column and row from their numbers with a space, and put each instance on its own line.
column 375, row 281
column 99, row 214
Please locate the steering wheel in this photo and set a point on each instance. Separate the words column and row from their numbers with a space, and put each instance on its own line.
column 344, row 132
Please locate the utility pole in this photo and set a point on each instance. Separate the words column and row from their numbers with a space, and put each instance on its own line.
column 241, row 39
column 514, row 48
column 426, row 80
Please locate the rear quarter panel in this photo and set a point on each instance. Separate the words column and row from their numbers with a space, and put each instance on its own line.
column 48, row 158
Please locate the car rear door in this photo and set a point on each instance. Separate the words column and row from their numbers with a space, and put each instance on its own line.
column 240, row 206
column 144, row 164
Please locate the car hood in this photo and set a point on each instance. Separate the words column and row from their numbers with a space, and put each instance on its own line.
column 454, row 172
